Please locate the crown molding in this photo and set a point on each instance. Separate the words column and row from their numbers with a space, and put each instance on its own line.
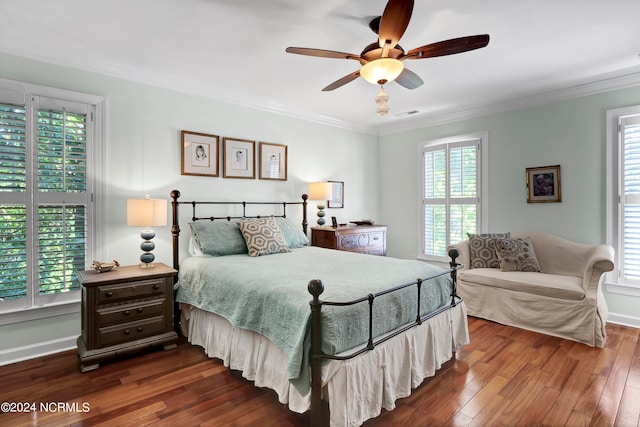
column 603, row 84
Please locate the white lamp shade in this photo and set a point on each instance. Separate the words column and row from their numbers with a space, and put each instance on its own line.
column 320, row 191
column 146, row 212
column 382, row 69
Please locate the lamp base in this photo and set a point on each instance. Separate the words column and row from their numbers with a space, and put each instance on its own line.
column 146, row 265
column 146, row 259
column 321, row 213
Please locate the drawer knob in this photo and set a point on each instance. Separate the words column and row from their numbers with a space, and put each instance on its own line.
column 109, row 294
column 156, row 286
column 127, row 312
column 127, row 331
column 139, row 328
column 139, row 310
column 375, row 238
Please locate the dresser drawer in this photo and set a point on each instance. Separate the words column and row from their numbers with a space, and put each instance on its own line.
column 131, row 331
column 109, row 294
column 356, row 241
column 110, row 315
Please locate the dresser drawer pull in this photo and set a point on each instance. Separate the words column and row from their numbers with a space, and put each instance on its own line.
column 127, row 312
column 139, row 310
column 375, row 238
column 139, row 328
column 156, row 286
column 109, row 294
column 127, row 331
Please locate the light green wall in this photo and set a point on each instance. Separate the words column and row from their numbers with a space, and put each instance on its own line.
column 570, row 133
column 143, row 156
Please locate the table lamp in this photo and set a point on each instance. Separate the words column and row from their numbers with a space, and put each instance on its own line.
column 320, row 191
column 147, row 213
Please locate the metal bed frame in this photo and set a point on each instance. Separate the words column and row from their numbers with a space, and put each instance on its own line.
column 319, row 408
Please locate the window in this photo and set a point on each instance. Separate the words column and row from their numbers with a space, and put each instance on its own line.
column 623, row 198
column 451, row 192
column 47, row 194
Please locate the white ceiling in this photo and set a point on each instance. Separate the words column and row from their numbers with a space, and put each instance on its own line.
column 234, row 50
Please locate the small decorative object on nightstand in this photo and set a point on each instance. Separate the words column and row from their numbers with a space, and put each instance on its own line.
column 125, row 310
column 365, row 239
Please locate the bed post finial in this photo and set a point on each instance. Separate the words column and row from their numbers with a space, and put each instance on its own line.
column 305, row 197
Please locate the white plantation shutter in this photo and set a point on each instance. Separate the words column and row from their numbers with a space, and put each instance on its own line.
column 45, row 199
column 451, row 195
column 630, row 200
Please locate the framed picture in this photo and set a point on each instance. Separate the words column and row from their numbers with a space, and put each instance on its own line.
column 239, row 158
column 199, row 153
column 337, row 198
column 543, row 184
column 273, row 161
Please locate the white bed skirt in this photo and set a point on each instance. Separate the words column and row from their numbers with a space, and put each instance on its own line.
column 357, row 389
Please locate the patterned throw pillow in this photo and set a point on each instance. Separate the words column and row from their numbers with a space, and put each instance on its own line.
column 482, row 253
column 516, row 254
column 263, row 236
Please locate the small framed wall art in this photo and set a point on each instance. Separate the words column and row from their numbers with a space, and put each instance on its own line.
column 273, row 161
column 199, row 153
column 337, row 195
column 543, row 184
column 239, row 158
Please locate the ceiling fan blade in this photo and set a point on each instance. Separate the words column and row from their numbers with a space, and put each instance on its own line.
column 394, row 22
column 409, row 79
column 323, row 53
column 343, row 81
column 449, row 47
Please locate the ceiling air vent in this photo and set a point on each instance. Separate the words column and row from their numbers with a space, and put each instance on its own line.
column 407, row 113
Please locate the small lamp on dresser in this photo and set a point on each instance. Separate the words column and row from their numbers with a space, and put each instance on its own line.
column 321, row 192
column 147, row 213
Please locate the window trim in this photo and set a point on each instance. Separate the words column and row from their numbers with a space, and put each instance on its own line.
column 483, row 152
column 613, row 195
column 16, row 90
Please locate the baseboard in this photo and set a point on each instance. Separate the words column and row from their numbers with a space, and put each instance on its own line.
column 621, row 319
column 32, row 351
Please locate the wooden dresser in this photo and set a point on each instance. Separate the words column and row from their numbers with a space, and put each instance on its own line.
column 366, row 239
column 124, row 310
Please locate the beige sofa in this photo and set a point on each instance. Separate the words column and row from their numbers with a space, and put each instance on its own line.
column 564, row 299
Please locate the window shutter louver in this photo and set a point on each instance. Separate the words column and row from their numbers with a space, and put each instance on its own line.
column 630, row 132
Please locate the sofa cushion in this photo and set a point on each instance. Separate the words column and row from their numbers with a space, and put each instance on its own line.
column 516, row 254
column 482, row 253
column 551, row 285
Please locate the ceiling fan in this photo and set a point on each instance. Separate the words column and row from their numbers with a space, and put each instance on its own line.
column 382, row 61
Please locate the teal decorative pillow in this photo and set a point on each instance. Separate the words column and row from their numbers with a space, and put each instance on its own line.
column 218, row 238
column 263, row 236
column 516, row 254
column 292, row 233
column 482, row 253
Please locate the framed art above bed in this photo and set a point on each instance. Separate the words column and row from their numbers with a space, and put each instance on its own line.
column 199, row 153
column 239, row 158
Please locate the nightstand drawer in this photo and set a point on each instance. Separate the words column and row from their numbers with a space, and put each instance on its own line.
column 111, row 315
column 109, row 294
column 117, row 334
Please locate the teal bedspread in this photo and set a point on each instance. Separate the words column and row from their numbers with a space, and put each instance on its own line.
column 268, row 295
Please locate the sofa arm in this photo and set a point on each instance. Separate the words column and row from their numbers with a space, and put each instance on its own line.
column 600, row 261
column 463, row 253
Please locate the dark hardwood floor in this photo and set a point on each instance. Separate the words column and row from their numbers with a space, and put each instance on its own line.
column 504, row 377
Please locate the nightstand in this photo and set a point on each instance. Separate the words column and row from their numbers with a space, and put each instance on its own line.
column 125, row 310
column 366, row 239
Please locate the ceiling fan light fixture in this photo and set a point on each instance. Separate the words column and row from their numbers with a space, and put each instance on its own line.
column 382, row 100
column 381, row 70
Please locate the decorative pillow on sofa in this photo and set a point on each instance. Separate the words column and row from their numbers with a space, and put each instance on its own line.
column 263, row 236
column 218, row 238
column 516, row 254
column 292, row 233
column 482, row 253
